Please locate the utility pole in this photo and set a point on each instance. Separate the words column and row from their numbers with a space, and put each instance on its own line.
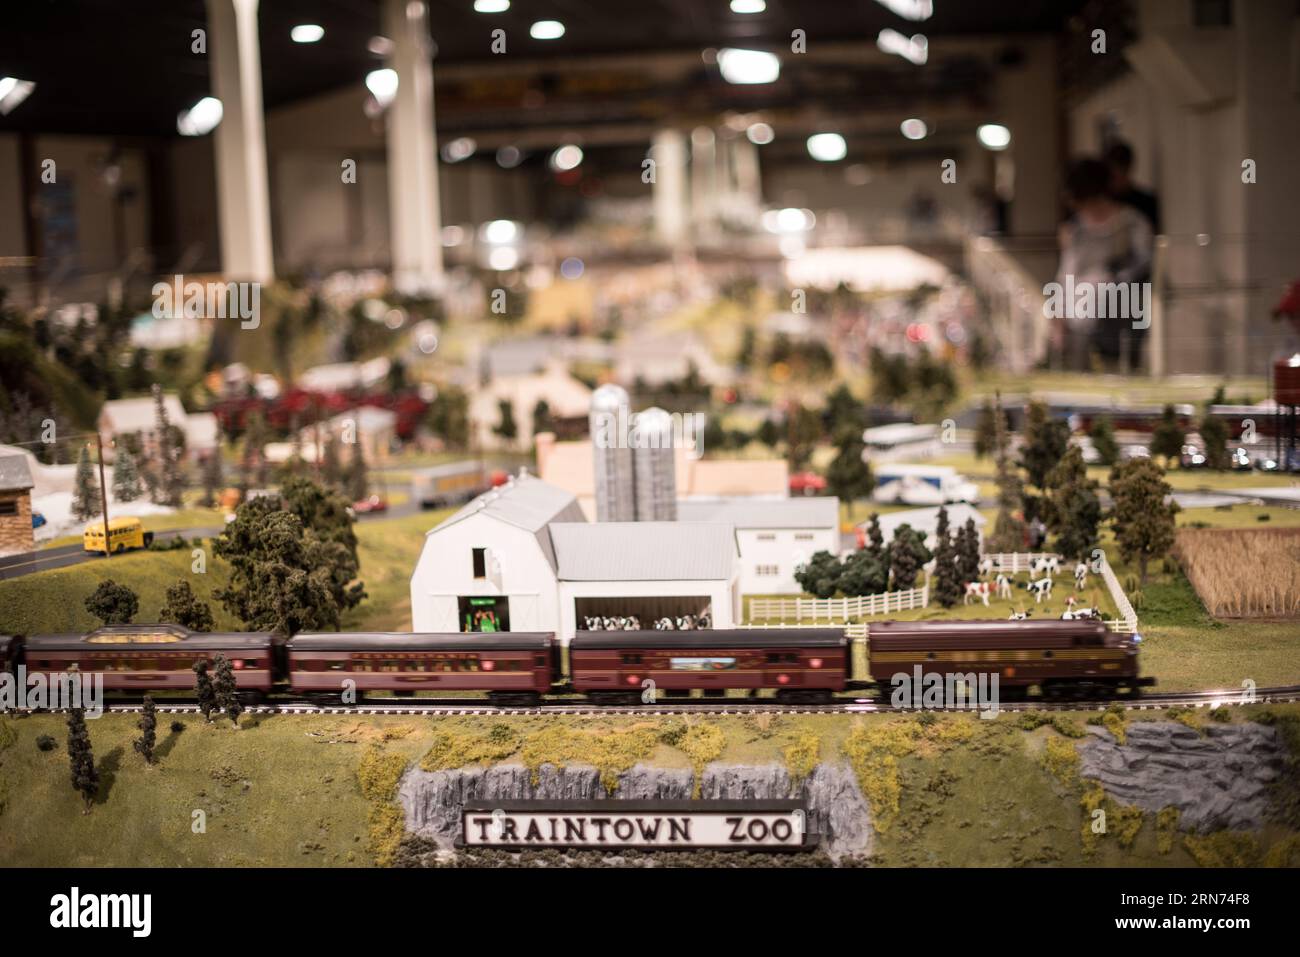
column 103, row 493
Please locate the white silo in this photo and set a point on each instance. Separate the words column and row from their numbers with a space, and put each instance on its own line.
column 656, row 467
column 612, row 455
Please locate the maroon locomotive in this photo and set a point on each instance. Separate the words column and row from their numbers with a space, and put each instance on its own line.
column 799, row 664
column 512, row 667
column 1062, row 658
column 156, row 657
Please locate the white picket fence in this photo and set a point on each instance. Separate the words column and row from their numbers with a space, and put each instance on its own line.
column 1128, row 620
column 1015, row 562
column 832, row 610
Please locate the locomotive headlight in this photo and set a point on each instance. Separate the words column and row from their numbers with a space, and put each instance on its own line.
column 814, row 662
column 783, row 679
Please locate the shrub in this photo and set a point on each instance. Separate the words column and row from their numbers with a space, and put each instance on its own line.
column 801, row 757
column 1223, row 849
column 177, row 727
column 1221, row 714
column 702, row 743
column 1061, row 759
column 1166, row 828
column 378, row 773
column 46, row 743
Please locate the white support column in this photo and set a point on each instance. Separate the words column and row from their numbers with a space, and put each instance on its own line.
column 704, row 182
column 243, row 201
column 669, row 192
column 416, row 226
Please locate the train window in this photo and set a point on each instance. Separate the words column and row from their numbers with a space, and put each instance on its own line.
column 336, row 665
column 631, row 659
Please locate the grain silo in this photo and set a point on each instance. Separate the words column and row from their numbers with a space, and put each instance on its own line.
column 656, row 467
column 612, row 455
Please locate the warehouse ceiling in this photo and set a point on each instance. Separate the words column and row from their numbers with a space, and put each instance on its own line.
column 111, row 67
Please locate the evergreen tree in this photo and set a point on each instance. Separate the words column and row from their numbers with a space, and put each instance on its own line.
column 844, row 412
column 170, row 480
column 211, row 478
column 820, row 575
column 848, row 475
column 803, row 427
column 1143, row 522
column 542, row 419
column 253, row 460
column 1102, row 434
column 331, row 468
column 863, row 573
column 986, row 430
column 112, row 604
column 1073, row 508
column 126, row 477
column 1214, row 436
column 448, row 417
column 223, row 686
column 85, row 779
column 506, row 427
column 184, row 608
column 85, row 490
column 968, row 552
column 203, row 690
column 148, row 725
column 876, row 538
column 1009, row 525
column 907, row 553
column 1168, row 438
column 948, row 588
column 1044, row 442
column 358, row 485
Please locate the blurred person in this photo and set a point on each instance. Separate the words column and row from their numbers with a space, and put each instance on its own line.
column 1103, row 242
column 1119, row 160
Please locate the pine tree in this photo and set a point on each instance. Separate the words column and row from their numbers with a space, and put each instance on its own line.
column 148, row 725
column 1102, row 434
column 1044, row 442
column 170, row 481
column 543, row 421
column 948, row 587
column 986, row 430
column 224, row 687
column 1073, row 509
column 848, row 475
column 253, row 460
column 1009, row 525
column 907, row 553
column 876, row 538
column 1168, row 438
column 112, row 604
column 211, row 478
column 184, row 608
column 968, row 552
column 331, row 471
column 126, row 477
column 203, row 689
column 506, row 427
column 85, row 491
column 1143, row 521
column 85, row 779
column 1214, row 436
column 357, row 484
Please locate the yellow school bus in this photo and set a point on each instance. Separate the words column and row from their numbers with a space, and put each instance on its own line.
column 123, row 534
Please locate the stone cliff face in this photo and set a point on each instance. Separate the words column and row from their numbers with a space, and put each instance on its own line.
column 1220, row 780
column 432, row 800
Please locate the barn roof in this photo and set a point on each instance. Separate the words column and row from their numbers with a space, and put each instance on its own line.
column 644, row 551
column 528, row 503
column 14, row 473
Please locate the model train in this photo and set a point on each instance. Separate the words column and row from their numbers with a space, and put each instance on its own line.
column 810, row 665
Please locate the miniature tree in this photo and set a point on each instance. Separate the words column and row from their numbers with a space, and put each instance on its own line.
column 148, row 725
column 85, row 490
column 844, row 412
column 1009, row 526
column 112, row 604
column 1104, row 444
column 203, row 689
column 211, row 478
column 876, row 539
column 820, row 575
column 1073, row 509
column 968, row 552
column 1043, row 443
column 170, row 480
column 907, row 553
column 506, row 427
column 986, row 430
column 85, row 779
column 1214, row 436
column 331, row 470
column 253, row 459
column 126, row 477
column 803, row 427
column 224, row 687
column 543, row 421
column 848, row 475
column 1168, row 437
column 184, row 608
column 863, row 573
column 357, row 483
column 448, row 417
column 948, row 586
column 1143, row 521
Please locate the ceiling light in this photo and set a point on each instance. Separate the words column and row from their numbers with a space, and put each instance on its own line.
column 566, row 158
column 503, row 257
column 915, row 49
column 383, row 85
column 914, row 129
column 461, row 148
column 748, row 6
column 12, row 92
column 748, row 66
column 491, row 6
column 500, row 232
column 994, row 136
column 546, row 30
column 201, row 118
column 827, row 147
column 760, row 134
column 910, row 9
column 306, row 33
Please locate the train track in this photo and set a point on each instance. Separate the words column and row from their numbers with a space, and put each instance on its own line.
column 864, row 704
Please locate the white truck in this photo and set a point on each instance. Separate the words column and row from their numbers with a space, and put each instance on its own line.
column 903, row 484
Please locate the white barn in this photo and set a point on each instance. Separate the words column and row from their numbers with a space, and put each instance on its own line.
column 522, row 557
column 775, row 536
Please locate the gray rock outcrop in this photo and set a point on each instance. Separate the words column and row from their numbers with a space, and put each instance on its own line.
column 1219, row 780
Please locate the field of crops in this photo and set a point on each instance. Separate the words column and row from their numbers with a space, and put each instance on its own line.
column 1243, row 573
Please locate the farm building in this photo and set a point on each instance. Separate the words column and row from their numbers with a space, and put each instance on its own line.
column 522, row 557
column 119, row 417
column 15, row 505
column 566, row 398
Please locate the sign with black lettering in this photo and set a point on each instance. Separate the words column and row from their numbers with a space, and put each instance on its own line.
column 644, row 825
